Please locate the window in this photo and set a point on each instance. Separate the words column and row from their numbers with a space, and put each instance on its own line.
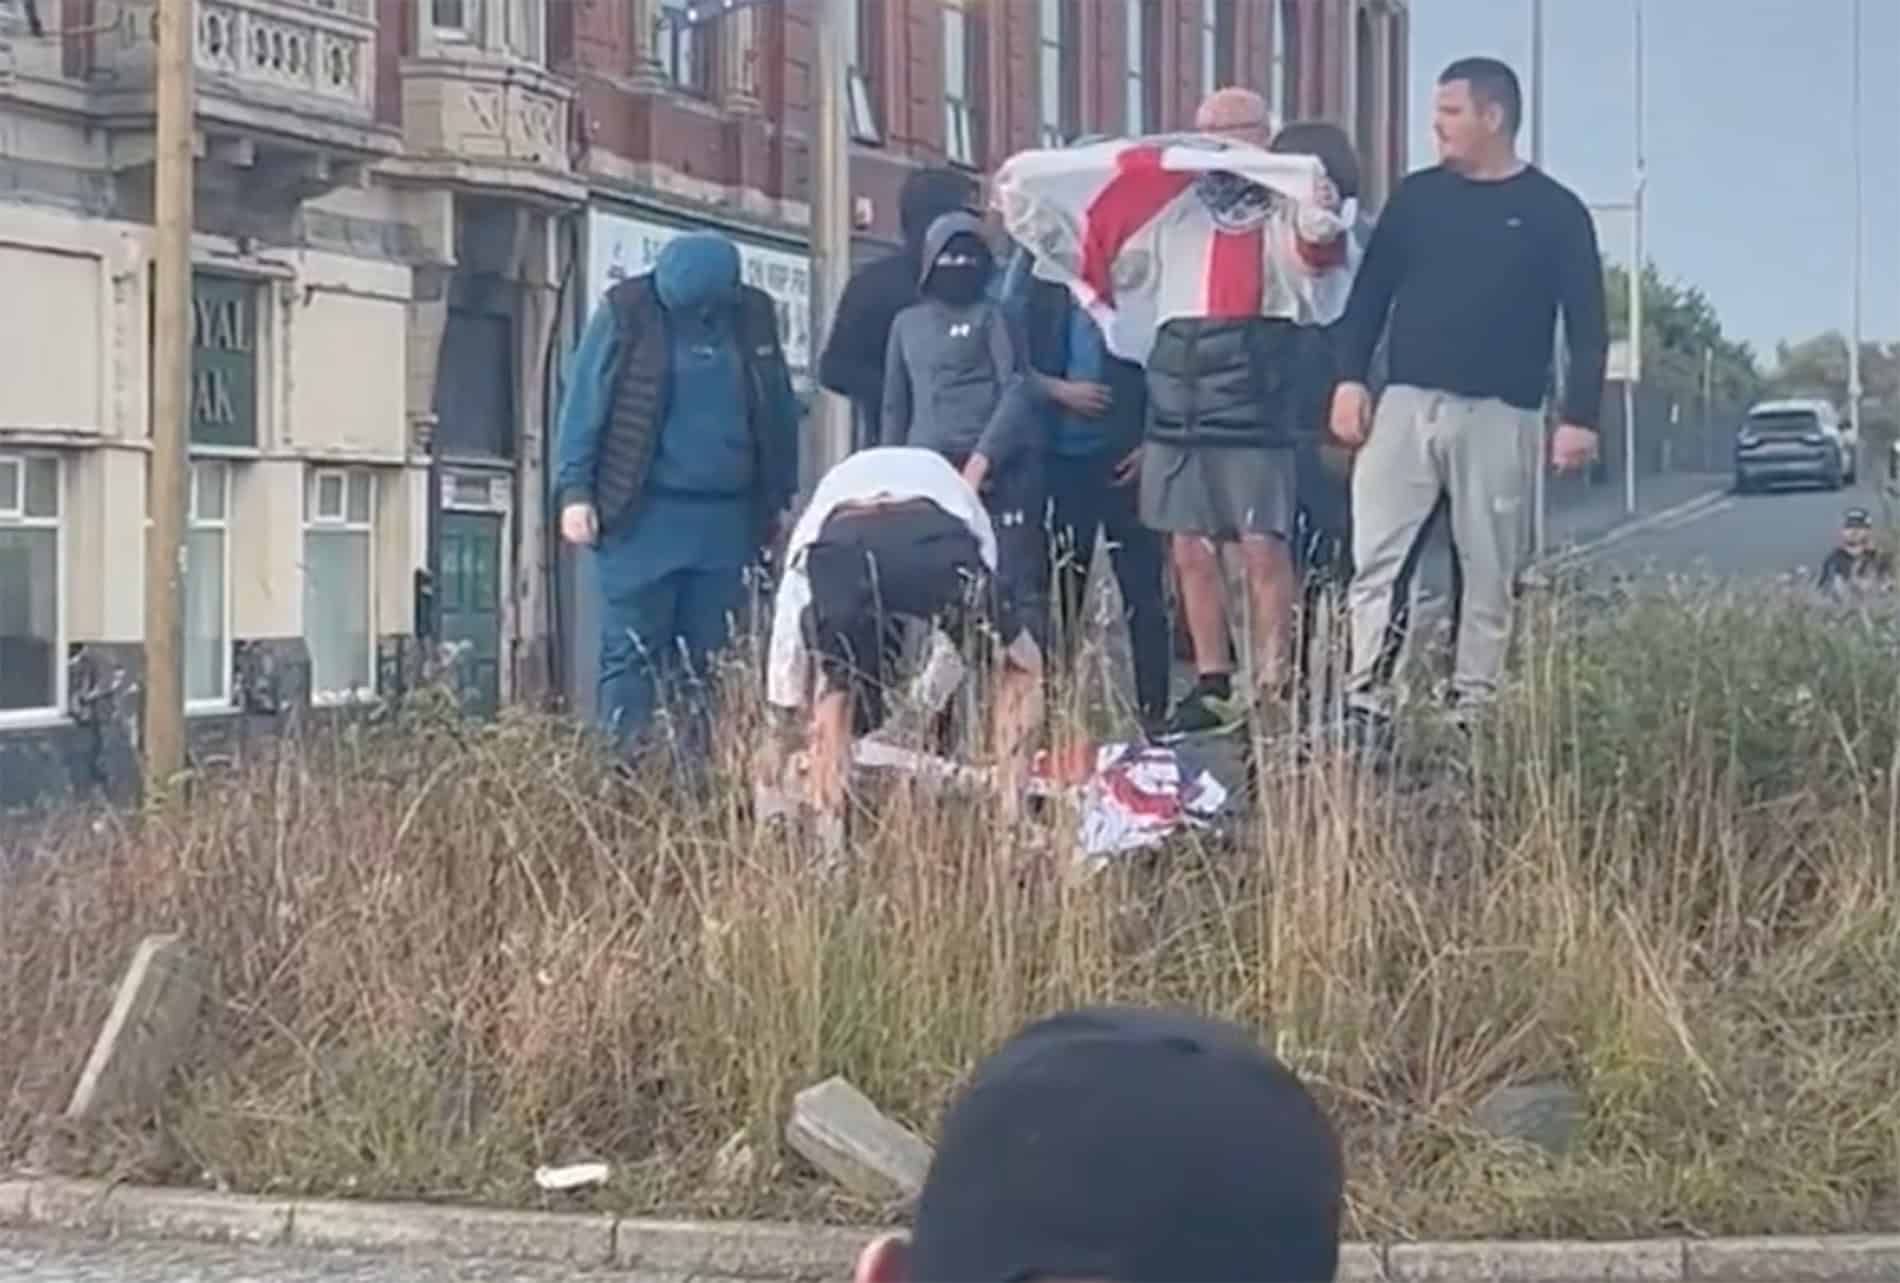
column 1365, row 90
column 457, row 19
column 1143, row 67
column 524, row 29
column 1058, row 73
column 686, row 48
column 207, row 579
column 1219, row 44
column 959, row 133
column 339, row 583
column 515, row 27
column 1286, row 62
column 1134, row 91
column 32, row 670
column 862, row 46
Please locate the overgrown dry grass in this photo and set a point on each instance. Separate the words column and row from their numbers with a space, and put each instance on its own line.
column 446, row 953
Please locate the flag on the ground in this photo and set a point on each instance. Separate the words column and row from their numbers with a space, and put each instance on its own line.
column 1146, row 230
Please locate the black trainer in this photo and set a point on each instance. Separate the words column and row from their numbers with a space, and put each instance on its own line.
column 1209, row 708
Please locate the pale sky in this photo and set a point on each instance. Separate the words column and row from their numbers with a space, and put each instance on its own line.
column 1751, row 162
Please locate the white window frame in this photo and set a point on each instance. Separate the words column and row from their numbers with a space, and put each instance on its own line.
column 1134, row 70
column 524, row 30
column 1052, row 39
column 1278, row 82
column 959, row 129
column 13, row 516
column 516, row 29
column 861, row 110
column 677, row 45
column 196, row 522
column 317, row 522
column 1210, row 45
column 467, row 30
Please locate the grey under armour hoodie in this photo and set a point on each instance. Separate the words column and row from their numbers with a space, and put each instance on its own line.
column 951, row 382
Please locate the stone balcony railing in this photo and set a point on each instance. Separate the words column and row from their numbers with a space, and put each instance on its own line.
column 321, row 50
column 298, row 68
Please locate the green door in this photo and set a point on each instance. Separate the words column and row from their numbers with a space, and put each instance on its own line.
column 468, row 603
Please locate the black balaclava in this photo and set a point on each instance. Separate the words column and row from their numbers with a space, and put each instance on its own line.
column 960, row 273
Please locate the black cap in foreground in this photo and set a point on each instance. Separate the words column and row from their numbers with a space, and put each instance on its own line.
column 1857, row 519
column 1131, row 1146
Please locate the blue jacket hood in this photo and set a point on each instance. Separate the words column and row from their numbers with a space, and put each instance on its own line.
column 697, row 272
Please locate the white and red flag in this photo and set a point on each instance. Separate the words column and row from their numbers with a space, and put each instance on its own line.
column 1146, row 230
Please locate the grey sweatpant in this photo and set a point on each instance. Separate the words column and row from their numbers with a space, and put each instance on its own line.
column 1429, row 449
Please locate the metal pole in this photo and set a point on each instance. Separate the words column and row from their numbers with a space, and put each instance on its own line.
column 1635, row 371
column 830, row 220
column 1539, row 499
column 171, row 399
column 1853, row 347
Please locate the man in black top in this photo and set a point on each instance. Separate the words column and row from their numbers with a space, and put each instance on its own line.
column 1470, row 262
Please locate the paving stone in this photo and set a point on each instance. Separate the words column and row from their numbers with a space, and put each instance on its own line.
column 153, row 1020
column 839, row 1131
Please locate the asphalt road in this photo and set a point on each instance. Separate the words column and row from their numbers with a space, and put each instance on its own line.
column 1741, row 537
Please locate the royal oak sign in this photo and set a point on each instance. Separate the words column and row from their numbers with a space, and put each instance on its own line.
column 223, row 361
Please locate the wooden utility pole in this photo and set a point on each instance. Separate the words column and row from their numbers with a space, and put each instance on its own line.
column 169, row 483
column 830, row 223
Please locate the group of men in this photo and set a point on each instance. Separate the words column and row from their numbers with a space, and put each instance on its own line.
column 1011, row 417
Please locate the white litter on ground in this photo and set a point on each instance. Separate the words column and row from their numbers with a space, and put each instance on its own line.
column 573, row 1176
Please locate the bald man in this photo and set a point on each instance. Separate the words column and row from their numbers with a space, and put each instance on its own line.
column 1239, row 114
column 1218, row 466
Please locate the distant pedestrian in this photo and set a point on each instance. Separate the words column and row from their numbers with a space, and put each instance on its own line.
column 1118, row 1145
column 677, row 459
column 853, row 361
column 1470, row 261
column 1857, row 562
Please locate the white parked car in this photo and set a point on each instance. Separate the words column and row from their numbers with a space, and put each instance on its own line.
column 1795, row 440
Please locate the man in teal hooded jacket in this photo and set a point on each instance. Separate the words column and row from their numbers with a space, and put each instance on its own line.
column 677, row 458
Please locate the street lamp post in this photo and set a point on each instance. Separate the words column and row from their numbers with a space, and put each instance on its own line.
column 1539, row 499
column 1634, row 374
column 1853, row 346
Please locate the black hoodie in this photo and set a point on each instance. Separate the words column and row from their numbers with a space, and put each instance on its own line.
column 853, row 360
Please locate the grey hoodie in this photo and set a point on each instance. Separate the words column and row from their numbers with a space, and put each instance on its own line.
column 948, row 367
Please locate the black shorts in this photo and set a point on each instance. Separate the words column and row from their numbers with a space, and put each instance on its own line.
column 872, row 566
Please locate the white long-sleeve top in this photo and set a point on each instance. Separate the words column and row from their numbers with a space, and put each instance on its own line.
column 892, row 474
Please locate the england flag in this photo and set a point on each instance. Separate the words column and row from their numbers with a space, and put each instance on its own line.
column 1146, row 230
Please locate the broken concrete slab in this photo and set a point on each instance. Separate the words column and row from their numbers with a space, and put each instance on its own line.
column 836, row 1128
column 148, row 1032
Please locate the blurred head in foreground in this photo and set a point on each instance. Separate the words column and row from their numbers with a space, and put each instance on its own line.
column 1117, row 1145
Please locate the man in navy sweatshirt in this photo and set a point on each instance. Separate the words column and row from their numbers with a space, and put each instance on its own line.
column 678, row 457
column 1470, row 262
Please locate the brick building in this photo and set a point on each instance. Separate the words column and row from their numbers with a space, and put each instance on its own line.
column 721, row 111
column 404, row 210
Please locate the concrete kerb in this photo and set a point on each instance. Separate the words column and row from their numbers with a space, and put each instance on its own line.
column 793, row 1253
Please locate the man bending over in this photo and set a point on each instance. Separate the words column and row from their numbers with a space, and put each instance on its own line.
column 893, row 532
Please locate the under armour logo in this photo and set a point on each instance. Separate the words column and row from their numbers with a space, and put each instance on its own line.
column 961, row 330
